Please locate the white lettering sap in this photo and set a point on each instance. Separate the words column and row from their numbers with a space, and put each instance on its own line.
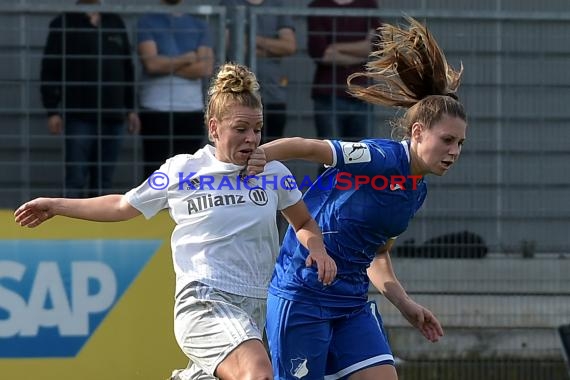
column 69, row 314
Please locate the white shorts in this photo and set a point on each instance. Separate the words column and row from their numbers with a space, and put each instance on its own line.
column 209, row 324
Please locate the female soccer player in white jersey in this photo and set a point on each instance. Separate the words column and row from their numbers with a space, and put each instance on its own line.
column 225, row 240
column 320, row 331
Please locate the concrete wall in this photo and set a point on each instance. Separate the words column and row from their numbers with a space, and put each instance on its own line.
column 496, row 307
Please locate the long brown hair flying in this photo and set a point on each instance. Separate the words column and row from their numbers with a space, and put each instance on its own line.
column 410, row 70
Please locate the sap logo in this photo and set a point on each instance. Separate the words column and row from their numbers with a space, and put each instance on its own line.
column 55, row 293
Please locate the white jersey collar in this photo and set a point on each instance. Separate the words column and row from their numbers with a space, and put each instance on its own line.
column 406, row 145
column 225, row 166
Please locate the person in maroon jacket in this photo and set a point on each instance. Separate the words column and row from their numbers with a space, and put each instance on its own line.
column 340, row 47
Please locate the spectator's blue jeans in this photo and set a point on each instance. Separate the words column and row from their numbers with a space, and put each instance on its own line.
column 339, row 117
column 91, row 153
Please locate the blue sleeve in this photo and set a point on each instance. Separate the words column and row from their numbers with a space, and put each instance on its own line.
column 284, row 21
column 144, row 29
column 363, row 157
column 205, row 38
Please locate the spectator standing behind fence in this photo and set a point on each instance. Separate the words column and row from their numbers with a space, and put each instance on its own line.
column 340, row 47
column 225, row 240
column 87, row 89
column 275, row 39
column 176, row 53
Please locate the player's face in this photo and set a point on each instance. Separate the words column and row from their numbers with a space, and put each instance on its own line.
column 439, row 147
column 237, row 135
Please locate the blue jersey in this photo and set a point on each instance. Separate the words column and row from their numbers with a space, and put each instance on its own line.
column 355, row 221
column 174, row 35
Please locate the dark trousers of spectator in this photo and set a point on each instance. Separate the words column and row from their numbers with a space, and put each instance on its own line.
column 165, row 134
column 341, row 118
column 91, row 153
column 274, row 119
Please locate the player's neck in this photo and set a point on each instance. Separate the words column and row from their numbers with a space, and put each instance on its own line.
column 416, row 164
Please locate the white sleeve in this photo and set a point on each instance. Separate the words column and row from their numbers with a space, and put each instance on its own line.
column 334, row 161
column 151, row 196
column 288, row 192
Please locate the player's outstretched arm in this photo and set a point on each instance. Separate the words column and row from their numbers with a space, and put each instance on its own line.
column 292, row 148
column 107, row 208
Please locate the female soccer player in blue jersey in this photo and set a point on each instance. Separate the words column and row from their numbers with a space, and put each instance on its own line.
column 319, row 331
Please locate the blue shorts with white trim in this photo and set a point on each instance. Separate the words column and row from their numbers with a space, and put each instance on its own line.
column 312, row 342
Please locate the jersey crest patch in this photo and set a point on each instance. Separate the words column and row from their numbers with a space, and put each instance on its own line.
column 355, row 152
column 299, row 368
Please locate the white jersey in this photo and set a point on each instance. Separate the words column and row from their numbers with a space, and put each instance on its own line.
column 226, row 233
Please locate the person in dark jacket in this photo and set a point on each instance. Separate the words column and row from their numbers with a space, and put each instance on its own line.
column 87, row 80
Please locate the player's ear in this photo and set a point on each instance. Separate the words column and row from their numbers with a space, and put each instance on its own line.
column 213, row 128
column 417, row 129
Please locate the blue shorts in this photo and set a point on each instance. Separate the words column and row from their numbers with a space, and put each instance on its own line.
column 314, row 342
